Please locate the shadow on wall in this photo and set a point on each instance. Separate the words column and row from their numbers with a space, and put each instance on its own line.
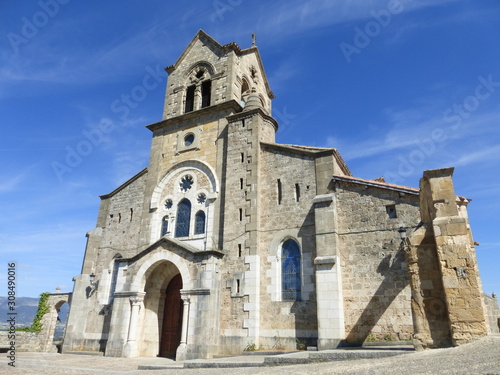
column 380, row 301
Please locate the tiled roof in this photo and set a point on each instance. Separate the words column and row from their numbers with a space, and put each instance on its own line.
column 377, row 183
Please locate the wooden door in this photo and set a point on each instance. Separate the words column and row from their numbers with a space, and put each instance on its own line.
column 172, row 319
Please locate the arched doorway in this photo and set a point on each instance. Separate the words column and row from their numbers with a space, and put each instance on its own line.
column 62, row 310
column 172, row 318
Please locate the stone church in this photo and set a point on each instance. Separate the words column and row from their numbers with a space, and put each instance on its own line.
column 229, row 240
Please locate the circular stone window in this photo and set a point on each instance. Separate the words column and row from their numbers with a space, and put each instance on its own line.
column 186, row 183
column 202, row 198
column 169, row 204
column 188, row 140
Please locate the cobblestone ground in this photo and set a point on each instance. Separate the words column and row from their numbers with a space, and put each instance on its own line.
column 481, row 357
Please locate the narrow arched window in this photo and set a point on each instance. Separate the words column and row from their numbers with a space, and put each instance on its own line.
column 245, row 91
column 199, row 223
column 114, row 278
column 189, row 105
column 290, row 271
column 206, row 93
column 164, row 226
column 183, row 218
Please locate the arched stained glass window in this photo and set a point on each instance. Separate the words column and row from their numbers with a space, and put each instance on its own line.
column 290, row 271
column 199, row 223
column 183, row 218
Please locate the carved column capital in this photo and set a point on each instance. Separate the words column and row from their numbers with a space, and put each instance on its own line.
column 137, row 298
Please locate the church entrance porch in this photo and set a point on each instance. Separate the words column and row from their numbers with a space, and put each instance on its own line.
column 170, row 307
column 161, row 319
column 172, row 319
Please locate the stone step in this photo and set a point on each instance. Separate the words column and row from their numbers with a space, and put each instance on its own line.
column 268, row 352
column 293, row 358
column 98, row 354
column 161, row 367
column 213, row 364
column 296, row 358
column 349, row 354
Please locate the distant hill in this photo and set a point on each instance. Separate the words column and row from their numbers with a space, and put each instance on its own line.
column 26, row 308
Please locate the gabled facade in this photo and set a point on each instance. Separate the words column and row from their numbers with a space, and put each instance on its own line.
column 228, row 239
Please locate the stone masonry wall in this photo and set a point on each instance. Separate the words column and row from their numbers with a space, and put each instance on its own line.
column 237, row 186
column 241, row 207
column 375, row 285
column 206, row 131
column 121, row 215
column 432, row 292
column 123, row 219
column 25, row 341
column 286, row 212
column 492, row 313
column 456, row 254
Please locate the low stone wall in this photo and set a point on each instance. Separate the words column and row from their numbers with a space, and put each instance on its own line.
column 26, row 342
column 492, row 313
column 42, row 341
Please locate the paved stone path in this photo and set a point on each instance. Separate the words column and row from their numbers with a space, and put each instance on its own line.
column 481, row 357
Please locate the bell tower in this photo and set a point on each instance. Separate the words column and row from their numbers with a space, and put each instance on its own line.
column 208, row 73
column 207, row 86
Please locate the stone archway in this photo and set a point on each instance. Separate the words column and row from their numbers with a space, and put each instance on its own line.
column 49, row 320
column 162, row 313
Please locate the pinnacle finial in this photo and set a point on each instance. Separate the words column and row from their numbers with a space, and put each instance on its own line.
column 254, row 39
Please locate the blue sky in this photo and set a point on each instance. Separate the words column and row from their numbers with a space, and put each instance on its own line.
column 396, row 86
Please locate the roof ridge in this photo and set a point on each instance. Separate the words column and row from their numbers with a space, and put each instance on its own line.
column 376, row 182
column 309, row 147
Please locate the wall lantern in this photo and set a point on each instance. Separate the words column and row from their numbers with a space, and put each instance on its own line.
column 93, row 283
column 402, row 233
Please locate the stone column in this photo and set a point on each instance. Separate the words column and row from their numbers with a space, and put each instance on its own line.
column 181, row 353
column 131, row 346
column 197, row 98
column 185, row 318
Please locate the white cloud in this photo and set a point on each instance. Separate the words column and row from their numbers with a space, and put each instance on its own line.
column 48, row 58
column 488, row 246
column 13, row 182
column 10, row 184
column 298, row 17
column 485, row 155
column 418, row 127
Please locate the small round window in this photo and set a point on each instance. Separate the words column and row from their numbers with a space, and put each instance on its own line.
column 188, row 140
column 169, row 204
column 186, row 183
